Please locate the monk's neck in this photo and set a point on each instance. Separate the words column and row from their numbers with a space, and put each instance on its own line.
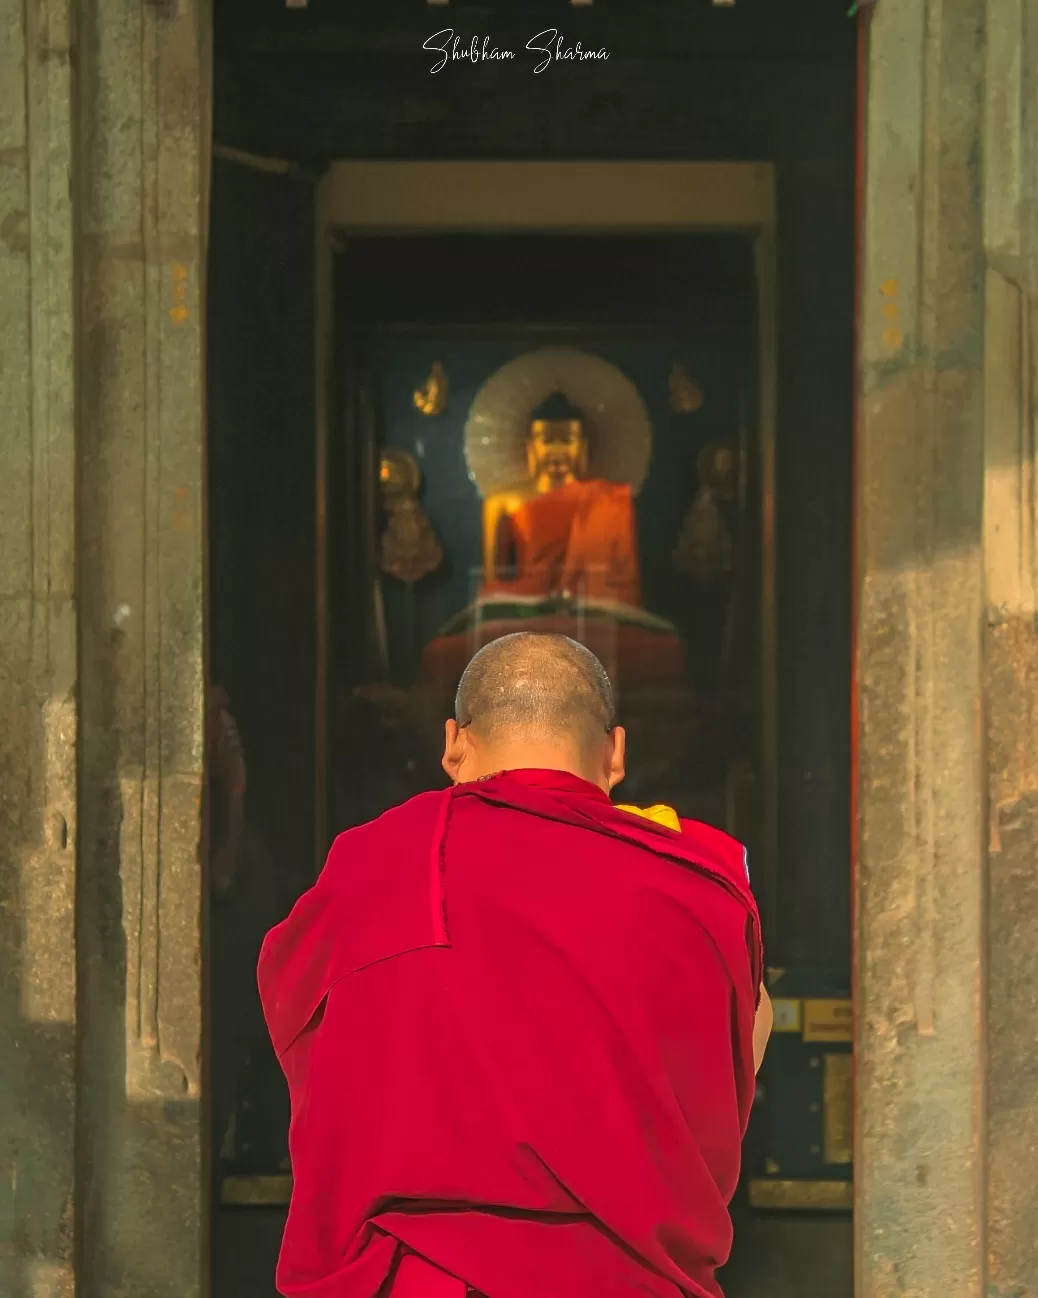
column 532, row 757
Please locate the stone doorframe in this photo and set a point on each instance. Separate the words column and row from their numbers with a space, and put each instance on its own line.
column 103, row 166
column 104, row 138
column 946, row 669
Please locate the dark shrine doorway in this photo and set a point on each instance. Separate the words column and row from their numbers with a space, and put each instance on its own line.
column 308, row 646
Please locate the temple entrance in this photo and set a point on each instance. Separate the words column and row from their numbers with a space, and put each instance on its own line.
column 552, row 388
column 111, row 627
column 560, row 418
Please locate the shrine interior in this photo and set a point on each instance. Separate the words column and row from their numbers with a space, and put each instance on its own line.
column 478, row 383
column 470, row 305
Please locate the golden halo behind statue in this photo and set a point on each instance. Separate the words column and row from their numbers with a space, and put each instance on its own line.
column 616, row 420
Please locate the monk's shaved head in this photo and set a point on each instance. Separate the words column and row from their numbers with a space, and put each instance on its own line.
column 535, row 685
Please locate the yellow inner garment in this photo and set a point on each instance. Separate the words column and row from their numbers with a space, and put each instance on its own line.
column 660, row 813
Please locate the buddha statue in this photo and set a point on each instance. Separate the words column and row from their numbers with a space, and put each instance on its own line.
column 560, row 554
column 561, row 533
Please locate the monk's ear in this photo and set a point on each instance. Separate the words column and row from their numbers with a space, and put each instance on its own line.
column 615, row 756
column 455, row 745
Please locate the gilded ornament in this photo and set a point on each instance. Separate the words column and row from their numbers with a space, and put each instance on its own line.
column 705, row 549
column 410, row 549
column 431, row 397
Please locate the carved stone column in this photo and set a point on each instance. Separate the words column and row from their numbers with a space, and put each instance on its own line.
column 948, row 653
column 103, row 158
column 143, row 154
column 920, row 640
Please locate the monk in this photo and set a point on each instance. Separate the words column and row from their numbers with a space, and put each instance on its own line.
column 520, row 1025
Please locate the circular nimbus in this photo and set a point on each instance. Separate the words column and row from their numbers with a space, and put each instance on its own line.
column 617, row 423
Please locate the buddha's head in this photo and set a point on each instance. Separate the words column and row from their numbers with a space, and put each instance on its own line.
column 557, row 446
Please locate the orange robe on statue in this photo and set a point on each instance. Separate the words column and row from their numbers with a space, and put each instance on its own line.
column 579, row 538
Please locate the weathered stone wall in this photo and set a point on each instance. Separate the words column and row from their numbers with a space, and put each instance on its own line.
column 920, row 924
column 142, row 161
column 102, row 157
column 948, row 654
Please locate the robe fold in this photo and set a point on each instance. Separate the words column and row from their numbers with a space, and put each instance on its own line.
column 516, row 1023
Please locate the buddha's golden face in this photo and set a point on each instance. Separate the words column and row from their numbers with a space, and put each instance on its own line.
column 557, row 451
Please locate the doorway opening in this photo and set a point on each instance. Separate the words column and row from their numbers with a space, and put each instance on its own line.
column 441, row 348
column 726, row 305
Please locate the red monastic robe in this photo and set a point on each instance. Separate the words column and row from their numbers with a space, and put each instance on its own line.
column 516, row 1023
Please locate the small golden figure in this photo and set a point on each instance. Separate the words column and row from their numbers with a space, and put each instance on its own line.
column 410, row 547
column 431, row 397
column 705, row 548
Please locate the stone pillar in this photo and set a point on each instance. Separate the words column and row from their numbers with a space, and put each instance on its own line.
column 920, row 931
column 103, row 154
column 38, row 835
column 948, row 653
column 142, row 161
